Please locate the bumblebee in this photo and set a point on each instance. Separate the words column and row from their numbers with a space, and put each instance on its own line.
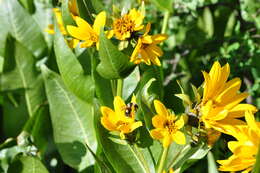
column 130, row 107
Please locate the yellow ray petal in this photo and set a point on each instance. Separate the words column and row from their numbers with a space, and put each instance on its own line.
column 160, row 108
column 99, row 22
column 179, row 138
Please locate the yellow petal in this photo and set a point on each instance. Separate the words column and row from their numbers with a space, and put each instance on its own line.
column 250, row 119
column 99, row 22
column 167, row 140
column 179, row 137
column 109, row 34
column 119, row 106
column 160, row 108
column 157, row 134
column 86, row 44
column 77, row 33
column 158, row 121
column 147, row 28
column 107, row 124
column 179, row 123
column 83, row 25
column 158, row 38
column 136, row 51
column 239, row 110
column 136, row 125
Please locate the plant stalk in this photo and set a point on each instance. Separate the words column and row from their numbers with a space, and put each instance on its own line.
column 162, row 160
column 119, row 88
column 165, row 21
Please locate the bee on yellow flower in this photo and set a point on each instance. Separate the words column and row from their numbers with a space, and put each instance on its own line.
column 89, row 35
column 146, row 49
column 127, row 24
column 221, row 99
column 167, row 126
column 71, row 42
column 122, row 119
column 245, row 148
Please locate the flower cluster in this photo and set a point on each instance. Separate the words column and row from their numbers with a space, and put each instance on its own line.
column 128, row 28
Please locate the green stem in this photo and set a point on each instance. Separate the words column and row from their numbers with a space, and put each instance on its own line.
column 113, row 86
column 162, row 160
column 119, row 88
column 165, row 21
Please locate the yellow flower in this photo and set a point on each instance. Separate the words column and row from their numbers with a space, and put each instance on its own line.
column 71, row 42
column 127, row 24
column 120, row 120
column 146, row 49
column 167, row 126
column 86, row 33
column 220, row 104
column 245, row 148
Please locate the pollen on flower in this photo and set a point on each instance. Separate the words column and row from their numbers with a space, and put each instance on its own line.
column 123, row 25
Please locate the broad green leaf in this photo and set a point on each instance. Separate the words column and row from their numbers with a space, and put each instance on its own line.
column 27, row 164
column 72, row 122
column 212, row 167
column 28, row 4
column 89, row 8
column 130, row 83
column 114, row 63
column 72, row 73
column 165, row 5
column 25, row 31
column 102, row 86
column 14, row 114
column 182, row 157
column 25, row 76
column 121, row 155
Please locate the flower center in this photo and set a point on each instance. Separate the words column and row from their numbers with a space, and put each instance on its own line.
column 123, row 25
column 170, row 126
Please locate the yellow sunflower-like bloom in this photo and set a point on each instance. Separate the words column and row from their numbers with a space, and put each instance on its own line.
column 146, row 49
column 119, row 120
column 127, row 24
column 167, row 126
column 71, row 42
column 220, row 104
column 245, row 148
column 89, row 35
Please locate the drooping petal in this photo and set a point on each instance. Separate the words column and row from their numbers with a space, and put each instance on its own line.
column 158, row 38
column 77, row 33
column 167, row 140
column 83, row 24
column 135, row 125
column 179, row 123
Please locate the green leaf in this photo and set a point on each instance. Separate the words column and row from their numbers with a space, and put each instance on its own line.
column 212, row 167
column 26, row 77
column 122, row 156
column 72, row 122
column 27, row 164
column 102, row 86
column 72, row 73
column 208, row 22
column 66, row 15
column 25, row 31
column 130, row 83
column 88, row 8
column 114, row 63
